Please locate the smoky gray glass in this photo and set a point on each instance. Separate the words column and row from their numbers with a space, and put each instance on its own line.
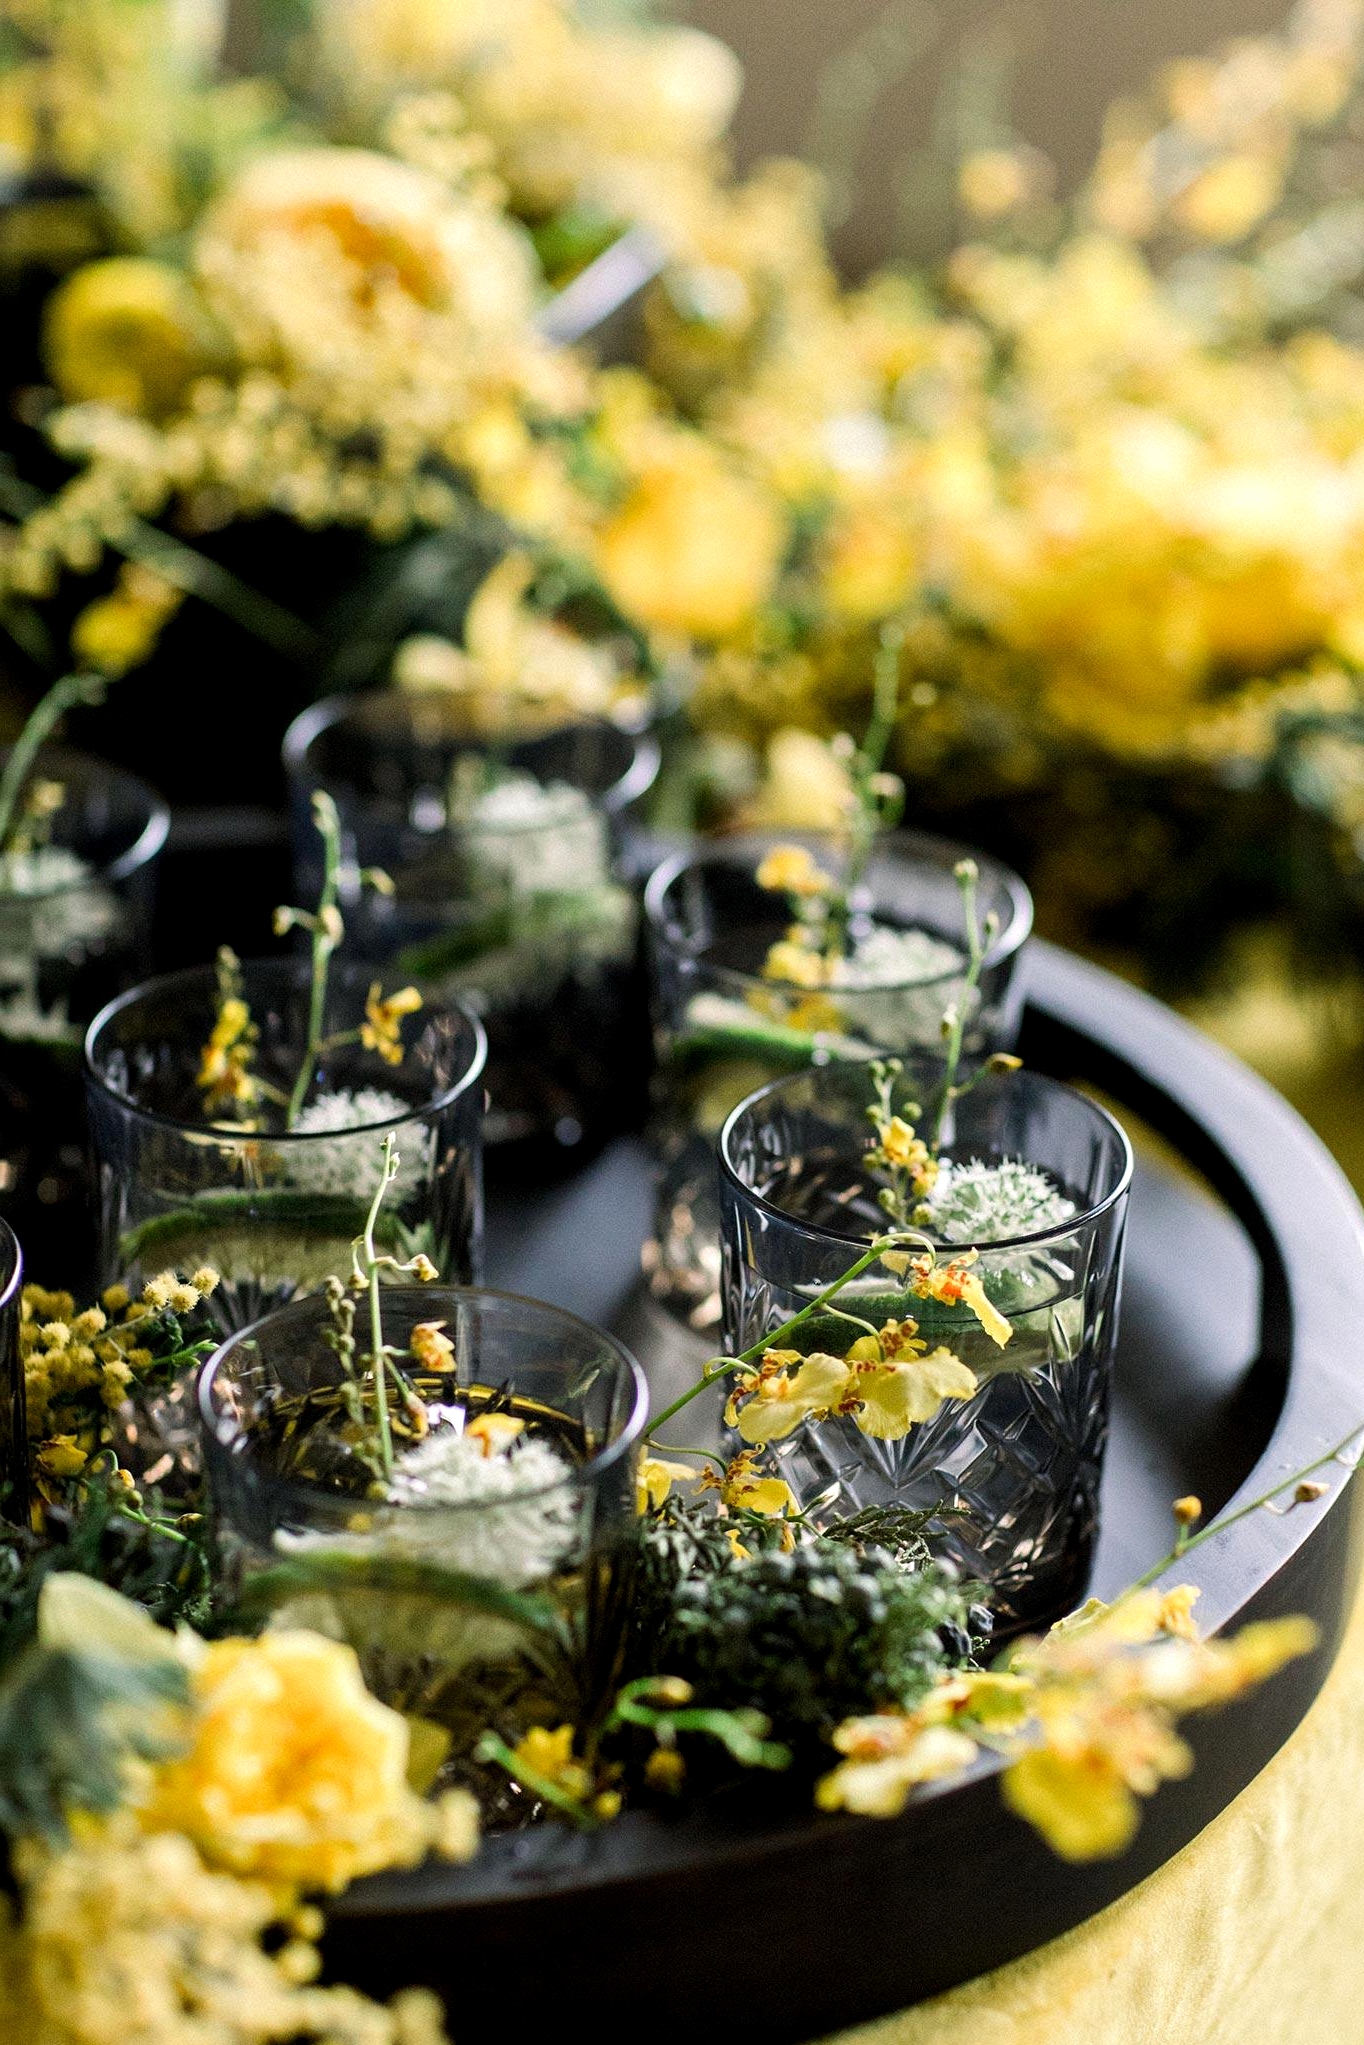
column 520, row 912
column 452, row 1652
column 1013, row 1472
column 275, row 1211
column 722, row 1029
column 75, row 920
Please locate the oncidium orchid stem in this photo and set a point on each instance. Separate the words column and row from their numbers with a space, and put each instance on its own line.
column 326, row 925
column 376, row 1318
column 64, row 695
column 967, row 877
column 870, row 754
column 1189, row 1542
column 721, row 1366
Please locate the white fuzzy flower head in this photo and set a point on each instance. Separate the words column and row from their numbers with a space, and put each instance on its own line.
column 512, row 1515
column 977, row 1202
column 353, row 1163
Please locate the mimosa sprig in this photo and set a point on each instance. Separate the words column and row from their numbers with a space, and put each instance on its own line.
column 69, row 693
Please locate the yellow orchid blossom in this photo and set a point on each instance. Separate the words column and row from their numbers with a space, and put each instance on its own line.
column 382, row 1028
column 897, row 1393
column 954, row 1284
column 887, row 1757
column 778, row 1401
column 655, row 1478
column 744, row 1487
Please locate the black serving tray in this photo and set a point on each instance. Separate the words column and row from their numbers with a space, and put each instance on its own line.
column 1238, row 1364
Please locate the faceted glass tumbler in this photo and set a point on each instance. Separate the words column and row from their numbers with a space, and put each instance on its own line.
column 521, row 914
column 452, row 1652
column 75, row 917
column 13, row 1410
column 1013, row 1472
column 275, row 1211
column 721, row 1028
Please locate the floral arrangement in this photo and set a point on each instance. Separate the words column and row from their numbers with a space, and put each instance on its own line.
column 1099, row 470
column 193, row 1785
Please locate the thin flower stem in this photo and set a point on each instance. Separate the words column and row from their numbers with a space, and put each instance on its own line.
column 326, row 933
column 667, row 1449
column 721, row 1366
column 492, row 1747
column 376, row 1319
column 872, row 751
column 967, row 878
column 64, row 695
column 1189, row 1542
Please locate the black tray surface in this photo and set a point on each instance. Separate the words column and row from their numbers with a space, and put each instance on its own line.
column 1238, row 1364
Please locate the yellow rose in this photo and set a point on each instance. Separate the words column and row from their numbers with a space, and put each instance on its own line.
column 295, row 1773
column 695, row 548
column 125, row 331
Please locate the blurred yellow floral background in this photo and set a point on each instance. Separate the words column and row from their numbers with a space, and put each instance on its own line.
column 1102, row 466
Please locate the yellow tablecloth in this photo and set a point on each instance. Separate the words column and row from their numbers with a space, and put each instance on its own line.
column 1253, row 1935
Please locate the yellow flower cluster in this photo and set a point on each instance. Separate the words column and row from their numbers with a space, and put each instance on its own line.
column 80, row 1366
column 133, row 1936
column 1110, row 505
column 1087, row 1716
column 295, row 1774
column 382, row 1028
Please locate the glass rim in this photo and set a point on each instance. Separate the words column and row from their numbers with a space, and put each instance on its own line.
column 169, row 983
column 1037, row 1239
column 946, row 852
column 329, row 712
column 12, row 1249
column 309, row 1304
column 149, row 841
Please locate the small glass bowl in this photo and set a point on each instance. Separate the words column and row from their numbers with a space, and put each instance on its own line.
column 75, row 918
column 722, row 1028
column 519, row 911
column 1014, row 1470
column 275, row 1211
column 426, row 1590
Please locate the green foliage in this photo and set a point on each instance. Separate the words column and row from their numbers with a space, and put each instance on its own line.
column 808, row 1638
column 68, row 1724
column 159, row 1561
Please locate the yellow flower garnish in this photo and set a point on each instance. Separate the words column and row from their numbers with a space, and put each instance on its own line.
column 549, row 1754
column 294, row 1772
column 495, row 1431
column 955, row 1284
column 744, row 1486
column 225, row 1077
column 796, row 962
column 898, row 1394
column 655, row 1478
column 887, row 1758
column 793, row 870
column 431, row 1346
column 779, row 1400
column 382, row 1028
